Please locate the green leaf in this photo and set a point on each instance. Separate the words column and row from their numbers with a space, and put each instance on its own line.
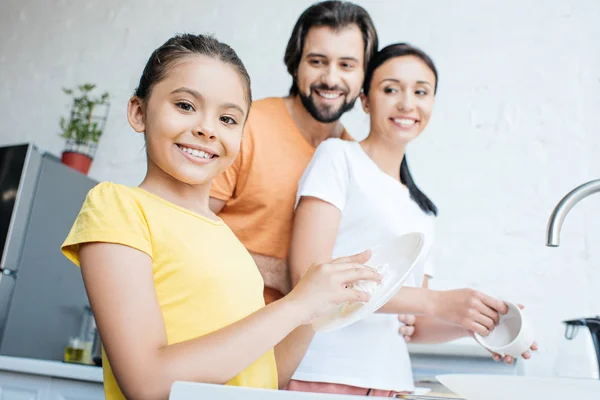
column 80, row 126
column 87, row 87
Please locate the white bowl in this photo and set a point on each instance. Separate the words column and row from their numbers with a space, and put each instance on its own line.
column 401, row 254
column 513, row 336
column 510, row 387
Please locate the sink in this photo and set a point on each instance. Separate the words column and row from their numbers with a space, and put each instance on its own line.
column 509, row 387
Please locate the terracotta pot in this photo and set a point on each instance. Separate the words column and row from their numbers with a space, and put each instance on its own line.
column 77, row 161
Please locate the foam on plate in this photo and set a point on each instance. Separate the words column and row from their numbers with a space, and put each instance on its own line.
column 369, row 287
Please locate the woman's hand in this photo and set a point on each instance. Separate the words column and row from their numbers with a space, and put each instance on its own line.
column 326, row 286
column 408, row 329
column 510, row 359
column 469, row 309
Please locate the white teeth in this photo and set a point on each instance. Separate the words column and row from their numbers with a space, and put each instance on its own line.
column 329, row 95
column 405, row 122
column 196, row 153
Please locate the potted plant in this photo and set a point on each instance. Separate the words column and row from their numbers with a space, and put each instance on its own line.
column 83, row 129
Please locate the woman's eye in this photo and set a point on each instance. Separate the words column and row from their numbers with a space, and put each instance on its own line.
column 315, row 62
column 421, row 92
column 389, row 90
column 185, row 106
column 228, row 120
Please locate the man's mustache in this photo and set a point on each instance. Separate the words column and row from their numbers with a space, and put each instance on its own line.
column 330, row 88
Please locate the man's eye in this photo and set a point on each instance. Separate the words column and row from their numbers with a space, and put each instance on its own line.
column 228, row 120
column 185, row 106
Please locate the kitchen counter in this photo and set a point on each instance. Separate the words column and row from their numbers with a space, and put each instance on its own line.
column 463, row 356
column 428, row 361
column 91, row 374
column 192, row 391
column 464, row 347
column 55, row 369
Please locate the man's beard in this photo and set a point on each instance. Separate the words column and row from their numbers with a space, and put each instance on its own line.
column 325, row 114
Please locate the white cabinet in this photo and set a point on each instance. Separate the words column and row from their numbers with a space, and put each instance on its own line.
column 21, row 386
column 66, row 389
column 15, row 386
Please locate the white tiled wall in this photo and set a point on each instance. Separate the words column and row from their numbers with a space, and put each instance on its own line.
column 516, row 123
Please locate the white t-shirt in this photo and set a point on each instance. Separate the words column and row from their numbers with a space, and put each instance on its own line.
column 374, row 208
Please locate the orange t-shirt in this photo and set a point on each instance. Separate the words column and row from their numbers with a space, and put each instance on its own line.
column 260, row 186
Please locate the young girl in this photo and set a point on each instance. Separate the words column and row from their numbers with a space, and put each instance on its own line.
column 175, row 295
column 354, row 196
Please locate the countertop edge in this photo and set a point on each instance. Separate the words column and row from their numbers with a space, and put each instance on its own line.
column 87, row 373
column 454, row 349
column 55, row 369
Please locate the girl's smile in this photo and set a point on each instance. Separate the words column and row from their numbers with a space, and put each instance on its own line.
column 197, row 154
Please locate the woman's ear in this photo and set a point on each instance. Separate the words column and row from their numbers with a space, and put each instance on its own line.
column 365, row 102
column 135, row 114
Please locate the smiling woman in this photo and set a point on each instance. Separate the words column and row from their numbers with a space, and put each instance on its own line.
column 406, row 74
column 354, row 196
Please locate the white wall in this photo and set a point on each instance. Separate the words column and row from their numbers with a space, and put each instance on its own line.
column 515, row 125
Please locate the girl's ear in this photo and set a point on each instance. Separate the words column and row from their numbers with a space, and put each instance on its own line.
column 365, row 102
column 135, row 114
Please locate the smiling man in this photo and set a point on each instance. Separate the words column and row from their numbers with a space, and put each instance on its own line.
column 326, row 56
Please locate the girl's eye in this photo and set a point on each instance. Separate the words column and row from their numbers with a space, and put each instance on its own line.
column 421, row 92
column 228, row 120
column 389, row 90
column 315, row 62
column 185, row 106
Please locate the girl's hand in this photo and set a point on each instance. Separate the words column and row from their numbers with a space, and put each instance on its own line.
column 408, row 329
column 326, row 286
column 469, row 309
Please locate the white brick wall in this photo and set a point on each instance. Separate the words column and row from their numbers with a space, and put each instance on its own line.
column 515, row 125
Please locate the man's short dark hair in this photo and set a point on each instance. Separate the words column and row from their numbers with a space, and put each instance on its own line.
column 335, row 15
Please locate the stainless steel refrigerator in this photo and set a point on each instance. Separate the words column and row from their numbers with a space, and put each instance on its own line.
column 42, row 296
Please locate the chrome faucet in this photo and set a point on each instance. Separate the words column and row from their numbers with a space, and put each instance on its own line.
column 564, row 206
column 553, row 238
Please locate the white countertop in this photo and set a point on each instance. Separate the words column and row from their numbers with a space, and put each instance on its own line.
column 55, row 369
column 465, row 347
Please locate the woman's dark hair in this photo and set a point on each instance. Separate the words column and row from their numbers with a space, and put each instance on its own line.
column 389, row 52
column 335, row 15
column 181, row 46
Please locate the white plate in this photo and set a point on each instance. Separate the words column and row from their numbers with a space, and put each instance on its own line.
column 509, row 387
column 402, row 254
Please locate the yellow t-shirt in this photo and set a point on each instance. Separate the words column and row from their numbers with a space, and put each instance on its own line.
column 204, row 277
